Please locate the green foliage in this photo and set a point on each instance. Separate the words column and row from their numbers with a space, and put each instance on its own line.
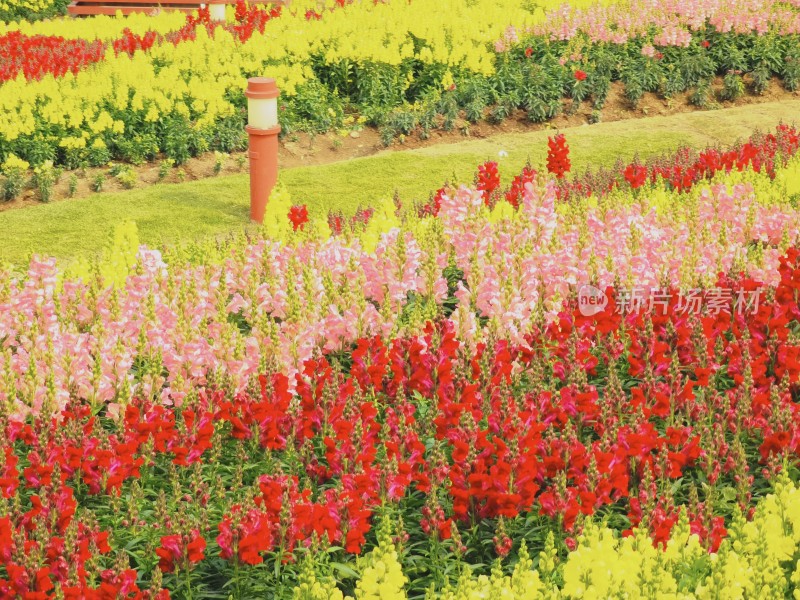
column 13, row 184
column 761, row 77
column 180, row 140
column 44, row 177
column 640, row 75
column 164, row 167
column 448, row 107
column 790, row 69
column 98, row 154
column 673, row 82
column 315, row 109
column 98, row 182
column 219, row 162
column 695, row 64
column 136, row 149
column 127, row 178
column 701, row 96
column 541, row 92
column 600, row 85
column 387, row 134
column 732, row 87
column 229, row 134
column 73, row 185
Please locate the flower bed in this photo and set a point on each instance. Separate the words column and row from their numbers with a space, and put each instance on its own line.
column 410, row 72
column 240, row 418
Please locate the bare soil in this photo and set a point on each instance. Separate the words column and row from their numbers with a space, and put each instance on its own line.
column 311, row 150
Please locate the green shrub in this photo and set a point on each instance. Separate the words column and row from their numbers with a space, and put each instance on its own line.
column 164, row 167
column 127, row 178
column 14, row 169
column 136, row 149
column 98, row 182
column 44, row 177
column 73, row 185
column 732, row 86
column 701, row 96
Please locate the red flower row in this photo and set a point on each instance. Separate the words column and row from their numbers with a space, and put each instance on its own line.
column 680, row 171
column 39, row 55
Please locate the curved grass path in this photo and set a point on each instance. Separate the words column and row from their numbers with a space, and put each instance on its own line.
column 175, row 212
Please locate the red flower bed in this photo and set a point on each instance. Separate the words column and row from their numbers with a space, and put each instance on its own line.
column 629, row 416
column 39, row 55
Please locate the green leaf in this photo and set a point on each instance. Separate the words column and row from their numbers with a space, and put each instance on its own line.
column 345, row 571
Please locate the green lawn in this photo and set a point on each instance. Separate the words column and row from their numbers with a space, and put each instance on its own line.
column 174, row 212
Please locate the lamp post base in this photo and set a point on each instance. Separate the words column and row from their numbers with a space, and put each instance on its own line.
column 263, row 155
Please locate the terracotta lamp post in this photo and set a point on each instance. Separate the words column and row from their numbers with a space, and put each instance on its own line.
column 262, row 129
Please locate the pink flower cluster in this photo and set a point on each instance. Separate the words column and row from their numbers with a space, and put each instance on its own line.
column 277, row 305
column 675, row 20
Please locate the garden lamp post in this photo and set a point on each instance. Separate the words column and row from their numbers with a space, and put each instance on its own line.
column 262, row 129
column 216, row 11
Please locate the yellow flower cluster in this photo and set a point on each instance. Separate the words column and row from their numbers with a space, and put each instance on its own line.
column 196, row 79
column 13, row 163
column 190, row 83
column 115, row 261
column 759, row 559
column 312, row 587
column 754, row 562
column 523, row 584
column 382, row 576
column 101, row 27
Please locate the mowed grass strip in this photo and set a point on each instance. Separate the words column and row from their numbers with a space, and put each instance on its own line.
column 171, row 213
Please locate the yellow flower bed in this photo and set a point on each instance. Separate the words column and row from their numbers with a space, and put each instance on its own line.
column 92, row 28
column 195, row 79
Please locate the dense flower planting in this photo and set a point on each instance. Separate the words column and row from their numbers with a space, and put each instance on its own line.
column 241, row 417
column 409, row 71
column 39, row 55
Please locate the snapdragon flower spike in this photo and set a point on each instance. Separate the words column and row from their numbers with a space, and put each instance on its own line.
column 487, row 180
column 558, row 162
column 517, row 189
column 298, row 216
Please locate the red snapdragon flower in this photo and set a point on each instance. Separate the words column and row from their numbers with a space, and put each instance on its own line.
column 246, row 541
column 298, row 215
column 487, row 180
column 635, row 175
column 517, row 190
column 175, row 548
column 580, row 75
column 558, row 162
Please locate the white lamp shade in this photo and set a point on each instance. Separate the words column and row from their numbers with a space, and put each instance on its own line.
column 262, row 113
column 216, row 12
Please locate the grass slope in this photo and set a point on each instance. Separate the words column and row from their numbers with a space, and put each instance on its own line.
column 175, row 212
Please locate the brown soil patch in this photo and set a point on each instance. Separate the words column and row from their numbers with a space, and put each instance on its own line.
column 308, row 150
